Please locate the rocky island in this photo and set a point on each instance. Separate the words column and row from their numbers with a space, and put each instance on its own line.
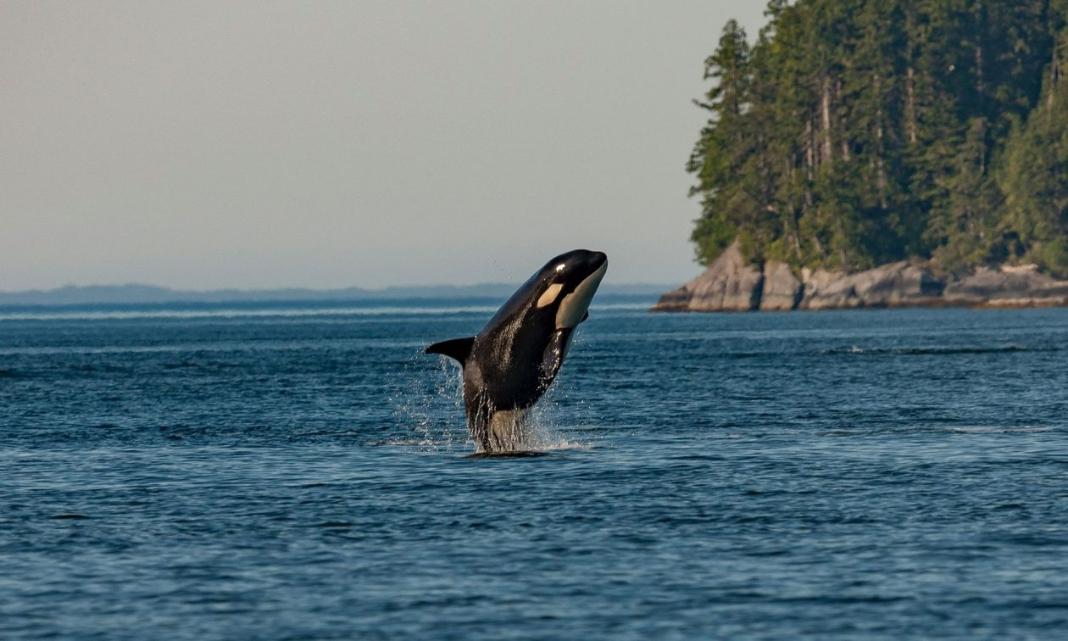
column 884, row 154
column 732, row 285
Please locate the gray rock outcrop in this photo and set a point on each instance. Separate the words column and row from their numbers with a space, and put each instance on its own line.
column 827, row 290
column 782, row 290
column 895, row 285
column 677, row 300
column 728, row 285
column 1022, row 286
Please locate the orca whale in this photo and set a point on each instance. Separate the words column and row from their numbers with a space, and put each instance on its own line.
column 516, row 356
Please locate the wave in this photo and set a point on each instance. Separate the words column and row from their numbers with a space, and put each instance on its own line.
column 994, row 429
column 940, row 351
column 854, row 350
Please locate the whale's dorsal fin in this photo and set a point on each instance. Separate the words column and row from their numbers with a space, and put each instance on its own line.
column 458, row 348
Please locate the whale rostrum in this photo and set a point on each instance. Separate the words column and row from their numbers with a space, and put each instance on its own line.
column 515, row 358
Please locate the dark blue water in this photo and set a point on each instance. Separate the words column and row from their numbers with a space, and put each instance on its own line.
column 303, row 473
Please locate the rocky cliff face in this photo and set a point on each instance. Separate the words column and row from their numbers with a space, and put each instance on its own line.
column 894, row 285
column 782, row 290
column 1008, row 287
column 729, row 284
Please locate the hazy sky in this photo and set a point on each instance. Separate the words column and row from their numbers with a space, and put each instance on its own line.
column 260, row 144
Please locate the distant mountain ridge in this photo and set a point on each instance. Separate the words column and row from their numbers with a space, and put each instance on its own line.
column 140, row 294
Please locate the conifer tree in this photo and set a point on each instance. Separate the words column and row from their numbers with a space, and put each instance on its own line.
column 854, row 133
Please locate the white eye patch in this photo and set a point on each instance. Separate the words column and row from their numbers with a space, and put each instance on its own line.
column 550, row 295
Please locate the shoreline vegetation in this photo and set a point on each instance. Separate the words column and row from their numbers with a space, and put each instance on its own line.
column 884, row 153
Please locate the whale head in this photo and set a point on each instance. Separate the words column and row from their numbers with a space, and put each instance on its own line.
column 566, row 285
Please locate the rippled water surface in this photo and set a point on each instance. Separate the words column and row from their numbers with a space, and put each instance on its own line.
column 304, row 473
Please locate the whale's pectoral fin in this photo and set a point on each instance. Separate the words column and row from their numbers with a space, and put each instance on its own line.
column 458, row 348
column 553, row 357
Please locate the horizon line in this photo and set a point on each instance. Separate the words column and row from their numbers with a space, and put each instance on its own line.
column 305, row 288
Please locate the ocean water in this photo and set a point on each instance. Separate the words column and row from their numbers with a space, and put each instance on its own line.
column 303, row 472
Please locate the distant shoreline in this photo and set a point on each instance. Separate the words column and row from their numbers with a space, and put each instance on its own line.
column 154, row 296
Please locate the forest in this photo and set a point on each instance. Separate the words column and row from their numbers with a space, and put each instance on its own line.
column 853, row 133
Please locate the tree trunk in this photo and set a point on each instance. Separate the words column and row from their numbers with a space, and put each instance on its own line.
column 810, row 159
column 910, row 104
column 880, row 146
column 911, row 29
column 1054, row 78
column 843, row 125
column 827, row 152
column 979, row 87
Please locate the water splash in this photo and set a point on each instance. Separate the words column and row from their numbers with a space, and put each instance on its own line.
column 546, row 429
column 430, row 411
column 430, row 407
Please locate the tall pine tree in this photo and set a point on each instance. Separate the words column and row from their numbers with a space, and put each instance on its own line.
column 857, row 133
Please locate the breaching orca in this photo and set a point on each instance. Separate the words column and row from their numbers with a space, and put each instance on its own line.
column 515, row 358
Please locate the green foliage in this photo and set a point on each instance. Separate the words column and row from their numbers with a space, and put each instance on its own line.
column 1034, row 175
column 854, row 133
